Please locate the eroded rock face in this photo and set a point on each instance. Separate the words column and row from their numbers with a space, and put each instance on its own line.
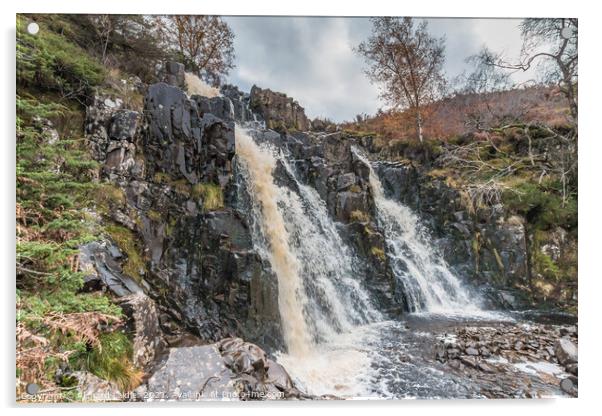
column 278, row 110
column 199, row 263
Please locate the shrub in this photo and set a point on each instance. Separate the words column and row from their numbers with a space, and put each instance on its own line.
column 543, row 207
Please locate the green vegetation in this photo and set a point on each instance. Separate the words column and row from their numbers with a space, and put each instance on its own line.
column 47, row 61
column 111, row 360
column 378, row 252
column 57, row 323
column 542, row 205
column 127, row 241
column 211, row 194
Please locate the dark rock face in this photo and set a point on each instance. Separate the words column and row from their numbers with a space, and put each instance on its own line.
column 278, row 110
column 488, row 246
column 174, row 74
column 202, row 269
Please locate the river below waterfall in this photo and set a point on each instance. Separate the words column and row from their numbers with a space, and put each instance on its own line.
column 407, row 359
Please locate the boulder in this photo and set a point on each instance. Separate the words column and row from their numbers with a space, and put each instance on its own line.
column 191, row 374
column 566, row 351
column 143, row 324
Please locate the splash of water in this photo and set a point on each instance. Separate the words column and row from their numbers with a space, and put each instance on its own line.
column 427, row 281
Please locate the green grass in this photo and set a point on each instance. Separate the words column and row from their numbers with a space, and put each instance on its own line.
column 128, row 243
column 211, row 194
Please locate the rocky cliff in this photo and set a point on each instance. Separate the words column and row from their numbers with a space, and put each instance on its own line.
column 279, row 111
column 181, row 231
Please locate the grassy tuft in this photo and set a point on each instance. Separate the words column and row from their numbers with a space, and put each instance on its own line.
column 211, row 194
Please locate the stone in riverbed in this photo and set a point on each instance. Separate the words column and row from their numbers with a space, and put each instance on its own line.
column 566, row 351
column 472, row 351
column 568, row 386
column 572, row 368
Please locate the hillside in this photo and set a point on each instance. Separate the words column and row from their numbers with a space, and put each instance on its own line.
column 466, row 113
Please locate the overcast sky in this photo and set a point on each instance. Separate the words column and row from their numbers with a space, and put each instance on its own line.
column 312, row 58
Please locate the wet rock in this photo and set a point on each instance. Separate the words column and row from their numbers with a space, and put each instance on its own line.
column 278, row 376
column 568, row 386
column 143, row 324
column 469, row 361
column 566, row 351
column 345, row 181
column 261, row 374
column 472, row 351
column 572, row 368
column 485, row 367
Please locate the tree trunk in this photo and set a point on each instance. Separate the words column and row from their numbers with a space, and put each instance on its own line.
column 419, row 125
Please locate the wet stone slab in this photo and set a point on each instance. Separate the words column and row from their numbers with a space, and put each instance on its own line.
column 191, row 373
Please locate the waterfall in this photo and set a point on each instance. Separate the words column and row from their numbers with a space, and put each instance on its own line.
column 323, row 307
column 319, row 293
column 259, row 165
column 426, row 280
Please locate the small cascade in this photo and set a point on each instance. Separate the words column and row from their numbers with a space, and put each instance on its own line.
column 427, row 283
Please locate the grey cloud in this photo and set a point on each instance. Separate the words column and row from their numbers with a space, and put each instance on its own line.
column 312, row 58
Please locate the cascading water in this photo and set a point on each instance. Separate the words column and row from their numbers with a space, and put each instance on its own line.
column 259, row 165
column 321, row 301
column 337, row 342
column 427, row 282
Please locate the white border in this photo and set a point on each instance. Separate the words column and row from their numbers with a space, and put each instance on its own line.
column 590, row 154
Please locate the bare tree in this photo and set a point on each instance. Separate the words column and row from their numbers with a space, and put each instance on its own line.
column 550, row 44
column 204, row 42
column 407, row 61
column 478, row 90
column 103, row 27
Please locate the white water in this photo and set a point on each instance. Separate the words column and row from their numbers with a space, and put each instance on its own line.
column 428, row 284
column 331, row 329
column 324, row 309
